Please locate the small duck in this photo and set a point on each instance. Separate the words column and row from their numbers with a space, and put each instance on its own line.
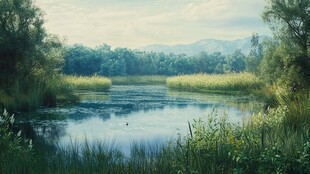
column 126, row 123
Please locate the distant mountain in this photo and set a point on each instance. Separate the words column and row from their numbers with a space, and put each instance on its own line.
column 207, row 45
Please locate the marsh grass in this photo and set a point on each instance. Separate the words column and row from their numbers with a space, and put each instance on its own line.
column 139, row 80
column 94, row 83
column 26, row 97
column 236, row 83
column 21, row 99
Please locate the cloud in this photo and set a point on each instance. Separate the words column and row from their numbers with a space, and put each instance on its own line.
column 137, row 23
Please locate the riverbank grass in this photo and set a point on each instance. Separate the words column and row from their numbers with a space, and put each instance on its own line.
column 37, row 93
column 94, row 83
column 225, row 83
column 139, row 80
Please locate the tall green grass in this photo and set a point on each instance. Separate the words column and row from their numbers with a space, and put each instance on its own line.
column 41, row 92
column 139, row 80
column 224, row 83
column 94, row 83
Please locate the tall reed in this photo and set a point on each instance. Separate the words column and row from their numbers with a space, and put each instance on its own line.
column 224, row 83
column 94, row 83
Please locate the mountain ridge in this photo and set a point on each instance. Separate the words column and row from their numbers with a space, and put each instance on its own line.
column 207, row 45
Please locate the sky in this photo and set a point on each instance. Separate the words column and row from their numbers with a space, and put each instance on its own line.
column 137, row 23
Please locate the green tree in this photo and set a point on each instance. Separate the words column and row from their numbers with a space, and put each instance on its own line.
column 272, row 64
column 236, row 62
column 81, row 60
column 130, row 60
column 290, row 23
column 117, row 66
column 30, row 57
column 21, row 33
column 253, row 60
column 147, row 63
column 202, row 62
column 182, row 64
column 105, row 53
column 163, row 64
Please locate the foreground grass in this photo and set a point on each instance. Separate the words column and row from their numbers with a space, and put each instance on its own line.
column 94, row 83
column 139, row 80
column 225, row 83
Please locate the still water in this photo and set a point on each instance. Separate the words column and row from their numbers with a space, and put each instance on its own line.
column 129, row 114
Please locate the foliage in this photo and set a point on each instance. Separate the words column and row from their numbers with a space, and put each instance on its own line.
column 253, row 60
column 13, row 148
column 289, row 21
column 81, row 60
column 236, row 62
column 212, row 83
column 296, row 105
column 272, row 64
column 29, row 56
column 125, row 62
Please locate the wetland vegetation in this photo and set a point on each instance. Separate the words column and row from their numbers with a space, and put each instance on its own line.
column 94, row 83
column 227, row 83
column 38, row 71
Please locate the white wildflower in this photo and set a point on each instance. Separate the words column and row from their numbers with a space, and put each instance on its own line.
column 5, row 113
column 30, row 144
column 19, row 133
column 12, row 119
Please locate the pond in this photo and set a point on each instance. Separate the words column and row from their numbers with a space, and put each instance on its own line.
column 133, row 113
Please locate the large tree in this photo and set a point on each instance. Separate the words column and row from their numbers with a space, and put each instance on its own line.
column 21, row 32
column 290, row 22
column 29, row 57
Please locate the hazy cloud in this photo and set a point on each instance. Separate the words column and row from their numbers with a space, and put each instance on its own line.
column 135, row 23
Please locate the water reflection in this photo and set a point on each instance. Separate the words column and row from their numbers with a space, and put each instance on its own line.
column 153, row 112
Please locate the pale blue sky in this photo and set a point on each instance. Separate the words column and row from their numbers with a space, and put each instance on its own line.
column 136, row 23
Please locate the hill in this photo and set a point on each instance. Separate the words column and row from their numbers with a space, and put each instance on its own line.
column 207, row 45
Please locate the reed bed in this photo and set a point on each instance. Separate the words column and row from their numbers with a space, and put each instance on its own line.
column 139, row 80
column 40, row 93
column 94, row 83
column 224, row 83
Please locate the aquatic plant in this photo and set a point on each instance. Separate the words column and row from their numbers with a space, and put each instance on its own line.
column 223, row 83
column 94, row 83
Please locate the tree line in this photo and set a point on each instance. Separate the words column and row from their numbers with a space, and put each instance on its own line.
column 102, row 60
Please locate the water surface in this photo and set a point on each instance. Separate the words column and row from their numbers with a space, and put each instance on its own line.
column 153, row 113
